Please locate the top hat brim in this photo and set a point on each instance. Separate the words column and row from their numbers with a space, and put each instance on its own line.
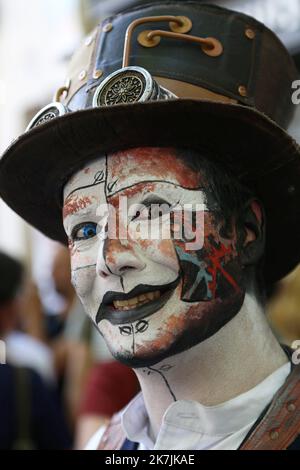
column 35, row 168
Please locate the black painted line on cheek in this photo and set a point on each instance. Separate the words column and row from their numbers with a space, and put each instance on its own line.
column 106, row 228
column 109, row 186
column 165, row 380
column 84, row 267
column 180, row 269
column 105, row 250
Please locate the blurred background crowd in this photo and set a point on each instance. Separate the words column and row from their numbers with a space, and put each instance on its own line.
column 60, row 382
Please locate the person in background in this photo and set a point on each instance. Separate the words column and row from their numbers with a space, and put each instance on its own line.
column 110, row 386
column 30, row 417
column 60, row 274
column 72, row 352
column 21, row 320
column 284, row 308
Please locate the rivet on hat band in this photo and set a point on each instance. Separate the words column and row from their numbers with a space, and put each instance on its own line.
column 97, row 74
column 250, row 33
column 243, row 90
column 107, row 28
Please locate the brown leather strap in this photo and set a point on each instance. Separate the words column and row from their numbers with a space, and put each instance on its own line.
column 280, row 426
column 114, row 436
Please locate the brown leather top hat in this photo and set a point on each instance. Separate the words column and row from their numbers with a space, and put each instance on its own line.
column 172, row 73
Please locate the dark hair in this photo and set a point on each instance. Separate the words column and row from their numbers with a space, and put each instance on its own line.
column 228, row 193
column 11, row 275
column 229, row 196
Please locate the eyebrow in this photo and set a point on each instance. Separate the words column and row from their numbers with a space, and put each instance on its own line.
column 176, row 185
column 153, row 199
column 73, row 207
column 84, row 187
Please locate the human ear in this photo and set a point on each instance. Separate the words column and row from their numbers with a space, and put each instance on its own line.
column 252, row 232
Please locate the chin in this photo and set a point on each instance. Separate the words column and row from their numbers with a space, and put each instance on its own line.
column 200, row 326
column 138, row 362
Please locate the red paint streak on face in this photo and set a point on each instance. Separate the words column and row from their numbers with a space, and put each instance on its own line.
column 216, row 256
column 145, row 244
column 75, row 204
column 74, row 253
column 71, row 246
column 166, row 247
column 113, row 248
column 131, row 192
column 87, row 171
column 173, row 327
column 160, row 163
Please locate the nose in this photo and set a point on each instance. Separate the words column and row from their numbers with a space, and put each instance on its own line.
column 118, row 257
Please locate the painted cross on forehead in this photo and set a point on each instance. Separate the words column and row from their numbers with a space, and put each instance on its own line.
column 147, row 295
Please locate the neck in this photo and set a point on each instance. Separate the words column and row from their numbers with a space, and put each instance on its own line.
column 234, row 360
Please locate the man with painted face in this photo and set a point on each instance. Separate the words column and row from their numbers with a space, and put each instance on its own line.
column 165, row 165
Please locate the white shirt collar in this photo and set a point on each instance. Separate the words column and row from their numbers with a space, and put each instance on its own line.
column 197, row 426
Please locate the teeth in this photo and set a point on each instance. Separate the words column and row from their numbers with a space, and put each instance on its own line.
column 136, row 301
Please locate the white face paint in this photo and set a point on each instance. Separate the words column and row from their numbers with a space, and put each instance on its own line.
column 137, row 291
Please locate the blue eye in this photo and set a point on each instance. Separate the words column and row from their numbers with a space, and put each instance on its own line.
column 84, row 231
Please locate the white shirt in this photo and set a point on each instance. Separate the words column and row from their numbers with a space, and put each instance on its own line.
column 188, row 425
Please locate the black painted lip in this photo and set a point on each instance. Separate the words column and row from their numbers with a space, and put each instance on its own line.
column 119, row 317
